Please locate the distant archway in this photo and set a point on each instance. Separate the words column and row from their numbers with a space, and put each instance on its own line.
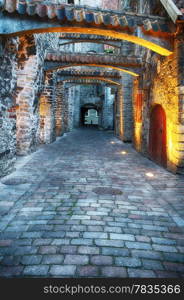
column 89, row 115
column 158, row 135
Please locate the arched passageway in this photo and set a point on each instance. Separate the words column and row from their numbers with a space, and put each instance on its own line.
column 89, row 115
column 157, row 135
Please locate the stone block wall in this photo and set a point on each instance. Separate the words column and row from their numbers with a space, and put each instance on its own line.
column 8, row 71
column 162, row 84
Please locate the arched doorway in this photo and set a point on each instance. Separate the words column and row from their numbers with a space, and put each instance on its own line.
column 89, row 115
column 157, row 136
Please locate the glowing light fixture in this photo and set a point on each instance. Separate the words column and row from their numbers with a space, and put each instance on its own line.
column 124, row 152
column 112, row 142
column 149, row 174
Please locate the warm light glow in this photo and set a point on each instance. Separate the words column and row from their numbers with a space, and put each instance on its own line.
column 149, row 174
column 98, row 31
column 94, row 65
column 112, row 142
column 124, row 152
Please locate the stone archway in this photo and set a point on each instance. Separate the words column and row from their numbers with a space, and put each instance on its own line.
column 86, row 108
column 158, row 135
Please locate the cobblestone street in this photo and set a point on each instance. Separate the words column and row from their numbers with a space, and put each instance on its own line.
column 87, row 206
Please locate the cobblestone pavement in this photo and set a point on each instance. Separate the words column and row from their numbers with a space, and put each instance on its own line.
column 81, row 208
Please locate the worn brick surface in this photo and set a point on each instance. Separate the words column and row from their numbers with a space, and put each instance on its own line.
column 135, row 234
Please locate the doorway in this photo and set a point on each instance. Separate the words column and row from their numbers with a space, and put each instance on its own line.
column 157, row 136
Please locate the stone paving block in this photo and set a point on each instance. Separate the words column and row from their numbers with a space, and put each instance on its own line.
column 175, row 267
column 25, row 250
column 58, row 270
column 76, row 260
column 147, row 254
column 139, row 273
column 174, row 257
column 124, row 237
column 88, row 271
column 48, row 249
column 10, row 260
column 59, row 242
column 31, row 235
column 166, row 274
column 31, row 259
column 5, row 243
column 138, row 245
column 152, row 264
column 163, row 241
column 114, row 272
column 70, row 234
column 115, row 251
column 78, row 228
column 82, row 242
column 95, row 228
column 68, row 249
column 95, row 235
column 101, row 260
column 52, row 259
column 52, row 234
column 109, row 243
column 12, row 271
column 41, row 270
column 164, row 248
column 128, row 262
column 88, row 250
column 113, row 229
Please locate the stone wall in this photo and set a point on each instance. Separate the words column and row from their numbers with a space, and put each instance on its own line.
column 8, row 70
column 162, row 84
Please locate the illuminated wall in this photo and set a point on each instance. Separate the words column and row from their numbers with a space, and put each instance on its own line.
column 160, row 85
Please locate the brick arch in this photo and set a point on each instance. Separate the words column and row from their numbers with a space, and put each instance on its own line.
column 27, row 17
column 147, row 43
column 85, row 79
column 95, row 66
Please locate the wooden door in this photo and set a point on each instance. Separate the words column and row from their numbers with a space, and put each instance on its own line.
column 157, row 136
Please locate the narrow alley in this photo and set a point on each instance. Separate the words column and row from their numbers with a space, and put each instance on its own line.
column 89, row 205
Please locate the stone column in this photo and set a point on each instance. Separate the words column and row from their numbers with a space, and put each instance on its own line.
column 108, row 109
column 59, row 109
column 127, row 108
column 30, row 70
column 47, row 111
